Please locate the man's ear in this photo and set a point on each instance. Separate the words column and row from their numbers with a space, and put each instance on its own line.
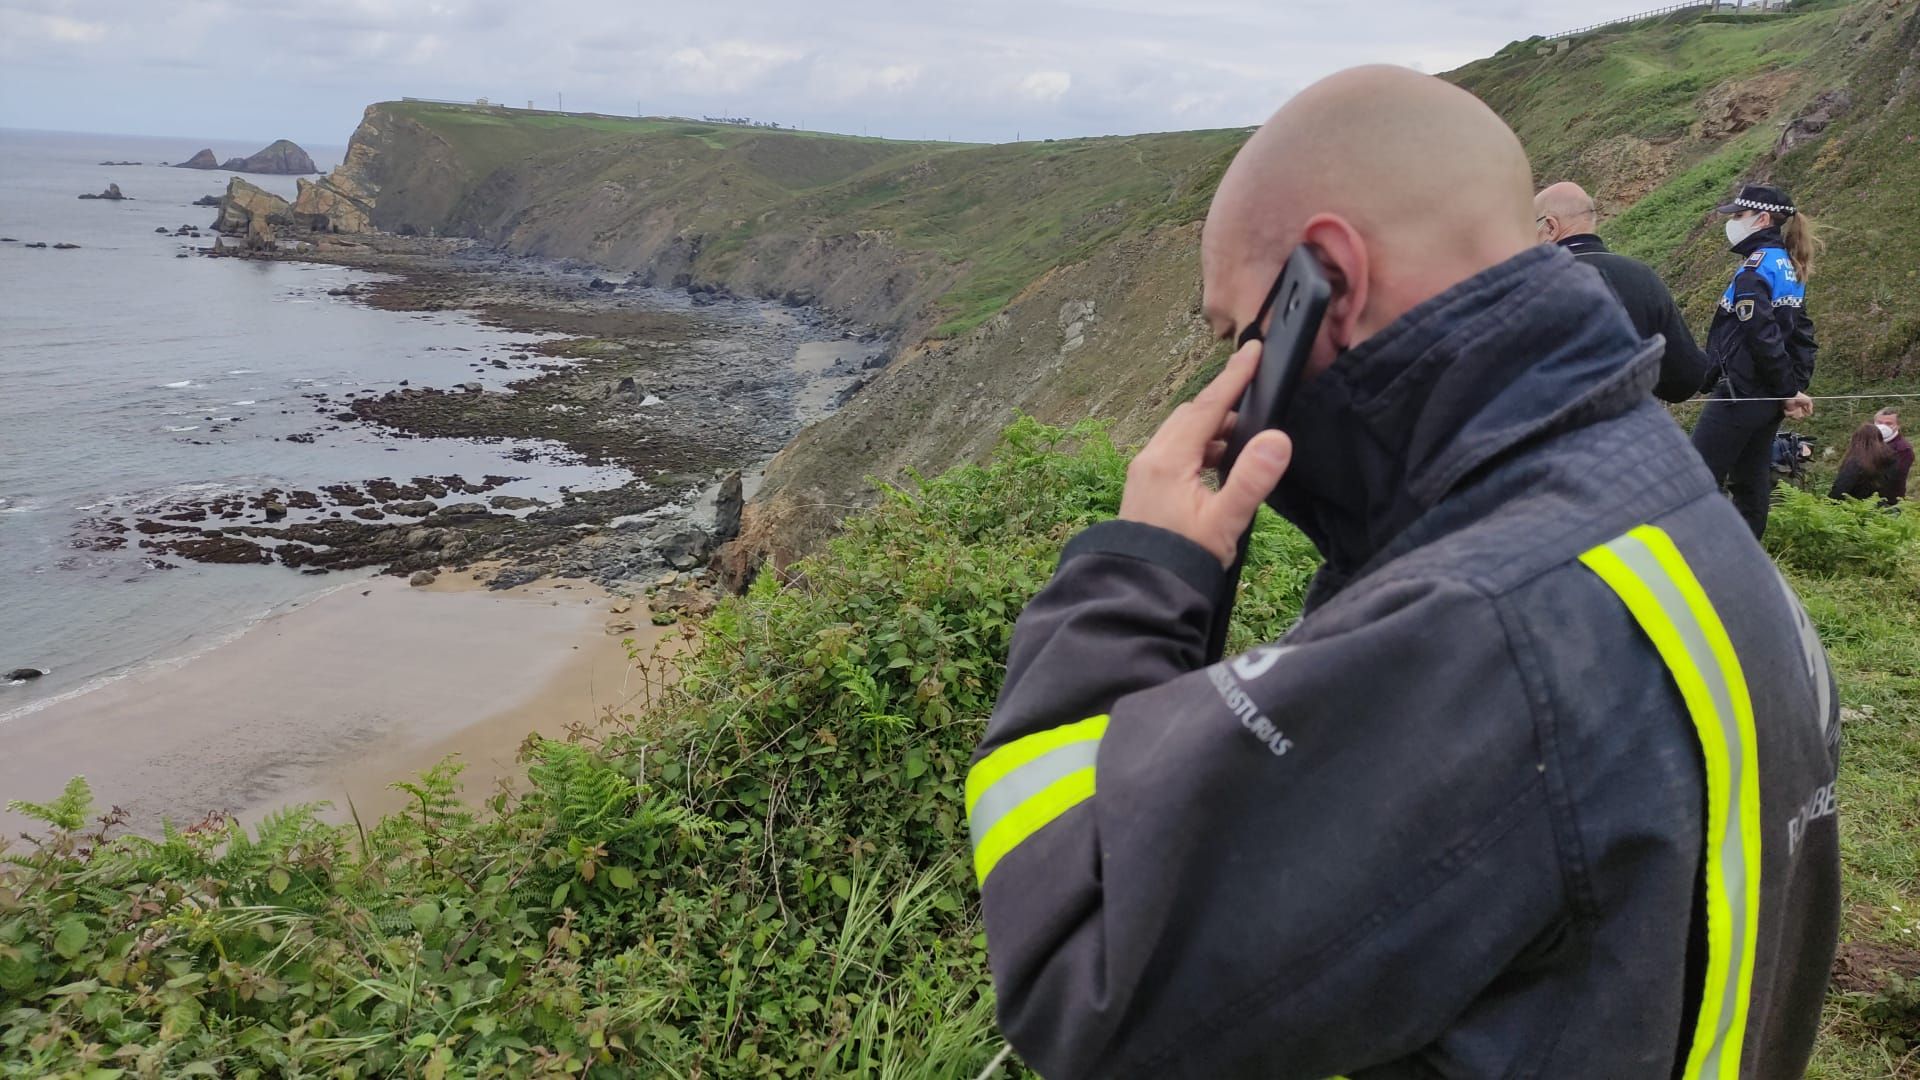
column 1344, row 258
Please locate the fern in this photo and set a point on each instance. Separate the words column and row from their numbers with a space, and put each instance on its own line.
column 68, row 812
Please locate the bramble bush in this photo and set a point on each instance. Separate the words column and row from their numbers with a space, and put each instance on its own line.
column 768, row 875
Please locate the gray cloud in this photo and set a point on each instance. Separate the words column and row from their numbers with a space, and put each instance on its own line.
column 981, row 71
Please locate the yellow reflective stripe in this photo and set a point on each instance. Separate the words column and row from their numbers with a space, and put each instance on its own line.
column 1030, row 817
column 990, row 769
column 1747, row 799
column 1674, row 612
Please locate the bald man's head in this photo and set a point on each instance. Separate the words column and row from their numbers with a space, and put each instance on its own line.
column 1403, row 184
column 1562, row 210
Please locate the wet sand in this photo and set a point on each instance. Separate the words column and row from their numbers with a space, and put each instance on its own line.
column 337, row 699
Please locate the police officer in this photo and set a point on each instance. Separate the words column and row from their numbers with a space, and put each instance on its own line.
column 1540, row 784
column 1761, row 346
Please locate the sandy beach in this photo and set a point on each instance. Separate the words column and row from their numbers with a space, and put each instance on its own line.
column 335, row 699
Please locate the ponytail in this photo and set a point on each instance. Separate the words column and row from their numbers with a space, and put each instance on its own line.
column 1803, row 240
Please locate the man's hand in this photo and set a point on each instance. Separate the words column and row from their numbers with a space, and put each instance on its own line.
column 1800, row 407
column 1166, row 485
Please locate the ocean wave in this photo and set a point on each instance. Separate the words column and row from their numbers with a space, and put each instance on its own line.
column 244, row 371
column 189, row 427
column 181, row 385
column 248, row 402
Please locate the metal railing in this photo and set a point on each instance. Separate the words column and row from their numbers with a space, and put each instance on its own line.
column 1710, row 5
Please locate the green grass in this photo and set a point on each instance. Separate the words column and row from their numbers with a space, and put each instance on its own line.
column 768, row 876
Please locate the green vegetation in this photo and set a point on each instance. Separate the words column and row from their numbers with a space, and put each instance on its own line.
column 768, row 875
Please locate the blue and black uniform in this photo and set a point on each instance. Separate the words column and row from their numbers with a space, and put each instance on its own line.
column 1541, row 784
column 1761, row 345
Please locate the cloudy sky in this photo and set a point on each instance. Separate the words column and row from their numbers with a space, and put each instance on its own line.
column 962, row 69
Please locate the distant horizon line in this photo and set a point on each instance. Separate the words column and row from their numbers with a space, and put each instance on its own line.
column 201, row 141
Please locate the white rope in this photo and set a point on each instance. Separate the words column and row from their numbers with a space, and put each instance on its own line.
column 1815, row 397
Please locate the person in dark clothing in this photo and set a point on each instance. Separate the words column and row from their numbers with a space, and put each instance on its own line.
column 1761, row 346
column 1565, row 214
column 1870, row 469
column 1540, row 784
column 1889, row 420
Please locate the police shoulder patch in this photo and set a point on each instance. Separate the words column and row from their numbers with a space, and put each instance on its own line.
column 1743, row 310
column 1754, row 261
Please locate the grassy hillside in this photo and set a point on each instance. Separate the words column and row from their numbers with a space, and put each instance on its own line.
column 768, row 874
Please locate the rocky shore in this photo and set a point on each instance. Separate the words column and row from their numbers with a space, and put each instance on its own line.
column 687, row 395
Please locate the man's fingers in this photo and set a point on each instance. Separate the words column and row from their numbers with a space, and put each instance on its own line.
column 1254, row 474
column 1199, row 421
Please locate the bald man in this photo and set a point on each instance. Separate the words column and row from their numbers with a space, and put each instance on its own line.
column 1541, row 782
column 1565, row 214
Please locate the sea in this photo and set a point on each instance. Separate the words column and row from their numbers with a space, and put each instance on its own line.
column 130, row 378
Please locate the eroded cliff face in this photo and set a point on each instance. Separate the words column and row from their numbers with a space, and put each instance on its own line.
column 1061, row 280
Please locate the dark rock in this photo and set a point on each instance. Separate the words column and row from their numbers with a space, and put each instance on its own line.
column 1820, row 113
column 465, row 509
column 300, row 437
column 726, row 509
column 513, row 502
column 601, row 285
column 234, row 164
column 686, row 549
column 849, row 392
column 206, row 200
column 368, row 513
column 877, row 360
column 215, row 548
column 22, row 674
column 112, row 193
column 516, row 576
column 625, row 388
column 63, row 247
column 274, row 509
column 471, row 388
column 160, row 229
column 799, row 298
column 202, row 160
column 120, row 163
column 420, row 508
column 423, row 577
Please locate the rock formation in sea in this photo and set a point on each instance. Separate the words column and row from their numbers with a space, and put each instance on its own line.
column 112, row 193
column 243, row 204
column 282, row 157
column 332, row 204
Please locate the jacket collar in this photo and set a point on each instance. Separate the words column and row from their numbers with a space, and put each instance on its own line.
column 1531, row 347
column 1768, row 237
column 1584, row 244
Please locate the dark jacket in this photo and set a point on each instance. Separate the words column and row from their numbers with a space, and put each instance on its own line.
column 1858, row 482
column 1683, row 367
column 1903, row 462
column 1453, row 822
column 1761, row 340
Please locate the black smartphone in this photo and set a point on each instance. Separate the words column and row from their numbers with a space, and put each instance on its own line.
column 1298, row 302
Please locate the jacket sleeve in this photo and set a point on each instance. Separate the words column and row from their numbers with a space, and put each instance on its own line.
column 1297, row 863
column 1684, row 367
column 1802, row 347
column 1760, row 330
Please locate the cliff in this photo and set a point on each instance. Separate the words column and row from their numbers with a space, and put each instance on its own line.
column 1060, row 278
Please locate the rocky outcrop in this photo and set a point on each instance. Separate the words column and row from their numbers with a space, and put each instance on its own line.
column 332, row 204
column 282, row 157
column 1818, row 115
column 243, row 204
column 112, row 193
column 207, row 200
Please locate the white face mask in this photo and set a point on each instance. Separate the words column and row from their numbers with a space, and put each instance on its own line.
column 1886, row 432
column 1738, row 229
